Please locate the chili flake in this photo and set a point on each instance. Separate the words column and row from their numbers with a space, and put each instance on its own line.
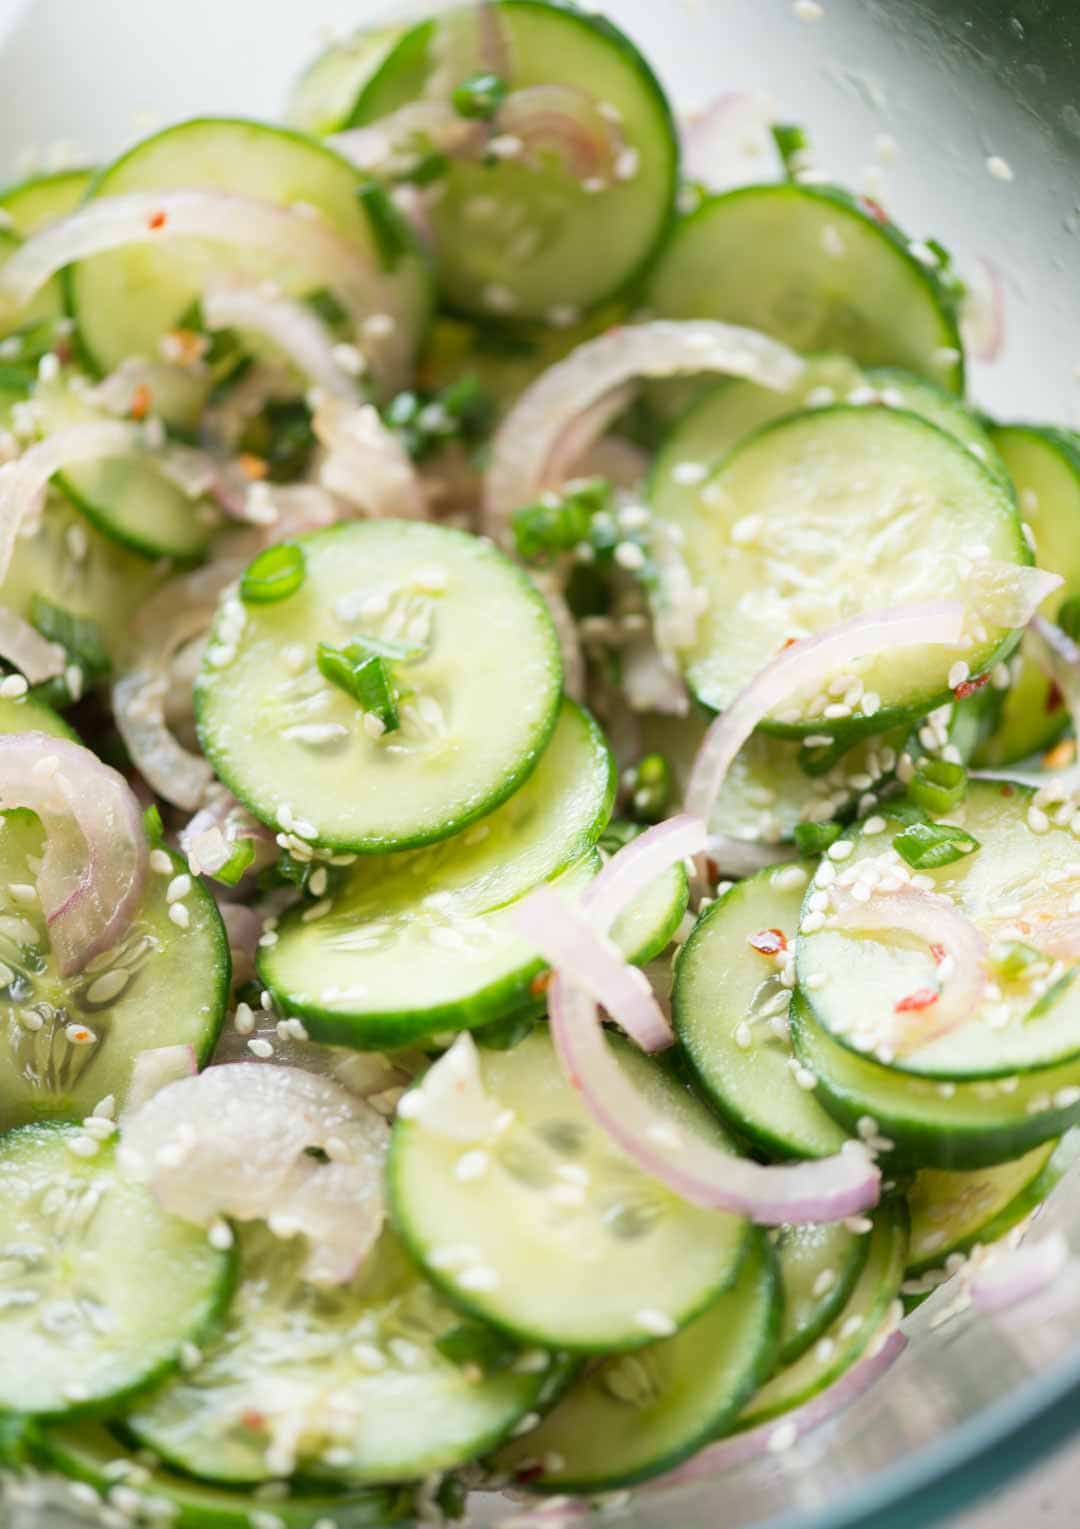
column 969, row 687
column 156, row 220
column 140, row 401
column 768, row 942
column 921, row 998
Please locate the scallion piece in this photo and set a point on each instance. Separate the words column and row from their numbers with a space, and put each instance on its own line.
column 815, row 838
column 937, row 785
column 652, row 789
column 479, row 96
column 926, row 846
column 473, row 1343
column 275, row 574
column 238, row 862
column 363, row 675
column 1011, row 959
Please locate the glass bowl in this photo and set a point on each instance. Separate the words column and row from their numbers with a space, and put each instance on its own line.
column 952, row 84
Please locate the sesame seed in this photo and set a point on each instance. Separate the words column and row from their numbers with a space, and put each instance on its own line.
column 874, row 825
column 654, row 1321
column 841, row 850
column 260, row 1048
column 13, row 687
column 180, row 916
column 105, row 1108
column 746, row 529
column 1037, row 820
column 498, row 298
column 807, row 10
column 179, row 887
column 824, row 1282
column 870, row 703
column 472, row 1165
column 743, row 1036
column 627, row 164
column 630, row 556
column 373, row 724
column 81, row 1146
column 812, row 923
column 316, row 911
column 161, row 862
column 789, row 878
column 786, row 1435
column 804, row 1079
column 480, row 1278
column 220, row 1236
column 999, row 168
column 959, row 672
column 836, row 711
column 505, row 146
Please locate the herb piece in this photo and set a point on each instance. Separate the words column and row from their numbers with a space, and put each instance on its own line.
column 815, row 838
column 274, row 575
column 474, row 1343
column 479, row 96
column 79, row 636
column 1011, row 959
column 238, row 862
column 792, row 145
column 1053, row 995
column 926, row 846
column 560, row 522
column 937, row 785
column 388, row 228
column 618, row 833
column 652, row 789
column 155, row 828
column 363, row 675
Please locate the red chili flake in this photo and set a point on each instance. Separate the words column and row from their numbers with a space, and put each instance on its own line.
column 969, row 687
column 540, row 983
column 788, row 642
column 253, row 468
column 768, row 942
column 253, row 1420
column 921, row 998
column 156, row 220
column 938, row 953
column 1054, row 698
column 140, row 402
column 875, row 209
column 1006, row 790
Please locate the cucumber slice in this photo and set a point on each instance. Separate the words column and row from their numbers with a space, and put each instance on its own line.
column 951, row 1212
column 483, row 675
column 29, row 715
column 898, row 389
column 723, row 984
column 828, row 513
column 125, row 301
column 100, row 1288
column 855, row 982
column 646, row 927
column 959, row 1126
column 561, row 1239
column 160, row 986
column 127, row 498
column 807, row 265
column 346, row 1384
column 633, row 1416
column 324, row 96
column 869, row 1307
column 818, row 1269
column 530, row 241
column 31, row 203
column 92, row 1457
column 1045, row 467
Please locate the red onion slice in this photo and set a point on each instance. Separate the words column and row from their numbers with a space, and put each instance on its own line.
column 365, row 462
column 564, row 123
column 562, row 618
column 807, row 662
column 937, row 920
column 982, row 318
column 729, row 142
column 697, row 1171
column 154, row 1070
column 388, row 147
column 24, row 647
column 94, row 866
column 234, row 1141
column 290, row 325
column 529, row 437
column 1016, row 1274
column 638, row 864
column 209, row 839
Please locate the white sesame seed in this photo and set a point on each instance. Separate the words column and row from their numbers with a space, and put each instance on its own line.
column 789, row 878
column 627, row 164
column 655, row 1321
column 630, row 556
column 180, row 916
column 841, row 850
column 743, row 1036
column 999, row 168
column 479, row 1278
column 812, row 923
column 260, row 1048
column 13, row 687
column 959, row 672
column 804, row 1078
column 178, row 887
column 1037, row 820
column 105, row 1108
column 81, row 1146
column 373, row 724
column 161, row 862
column 220, row 1236
column 824, row 1282
column 472, row 1165
column 783, row 1437
column 870, row 703
column 746, row 529
column 316, row 911
column 837, row 711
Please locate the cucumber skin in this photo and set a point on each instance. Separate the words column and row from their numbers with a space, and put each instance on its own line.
column 830, row 1309
column 137, row 544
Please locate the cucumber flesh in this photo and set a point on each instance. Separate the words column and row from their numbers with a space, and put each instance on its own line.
column 861, row 1320
column 84, row 1328
column 29, row 715
column 807, row 265
column 32, row 203
column 723, row 984
column 341, row 1384
column 323, row 98
column 819, row 1265
column 856, row 982
column 483, row 677
column 159, row 986
column 633, row 1416
column 561, row 1240
column 897, row 389
column 826, row 514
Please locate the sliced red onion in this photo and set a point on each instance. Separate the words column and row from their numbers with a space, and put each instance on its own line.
column 192, row 471
column 806, row 662
column 938, row 921
column 562, row 617
column 695, row 1169
column 582, row 435
column 1009, row 594
column 328, row 258
column 290, row 325
column 530, row 436
column 651, row 680
column 638, row 864
column 677, row 604
column 154, row 1070
column 618, row 460
column 243, row 926
column 742, row 1447
column 365, row 462
column 389, row 146
column 23, row 481
column 94, row 866
column 234, row 1141
column 563, row 123
column 1016, row 1274
column 209, row 839
column 24, row 647
column 729, row 142
column 451, row 1099
column 982, row 318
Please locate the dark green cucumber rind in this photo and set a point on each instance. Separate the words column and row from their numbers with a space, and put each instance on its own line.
column 33, row 716
column 411, row 52
column 928, row 1130
column 498, row 794
column 660, row 938
column 845, row 204
column 798, row 1342
column 206, row 1331
column 223, row 964
column 944, row 409
column 184, row 557
column 82, row 1455
column 714, row 1416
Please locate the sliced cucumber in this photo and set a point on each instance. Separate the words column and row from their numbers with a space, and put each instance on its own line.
column 125, row 301
column 856, row 982
column 1045, row 467
column 647, row 925
column 127, row 498
column 528, row 239
column 29, row 715
column 724, row 993
column 960, row 1126
column 633, row 1416
column 860, row 1321
column 69, row 1042
column 560, row 1238
column 897, row 389
column 818, row 1269
column 90, row 1456
column 808, row 265
column 346, row 1384
column 481, row 676
column 323, row 98
column 951, row 1212
column 821, row 516
column 99, row 1287
column 29, row 204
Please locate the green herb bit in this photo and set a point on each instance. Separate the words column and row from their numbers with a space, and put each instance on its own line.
column 652, row 789
column 473, row 1343
column 325, row 306
column 559, row 522
column 479, row 96
column 618, row 833
column 155, row 828
column 1053, row 995
column 791, row 144
column 937, row 785
column 926, row 846
column 274, row 575
column 815, row 838
column 79, row 636
column 238, row 862
column 363, row 675
column 393, row 240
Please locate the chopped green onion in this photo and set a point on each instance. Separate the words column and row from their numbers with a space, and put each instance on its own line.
column 282, row 436
column 558, row 523
column 1053, row 995
column 274, row 575
column 937, row 785
column 473, row 1343
column 1011, row 958
column 1068, row 617
column 79, row 636
column 363, row 675
column 652, row 789
column 325, row 305
column 155, row 828
column 479, row 96
column 452, row 1498
column 815, row 838
column 428, row 169
column 791, row 143
column 388, row 228
column 926, row 846
column 238, row 862
column 464, row 410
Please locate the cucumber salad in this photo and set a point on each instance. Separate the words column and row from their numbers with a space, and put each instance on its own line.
column 538, row 804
